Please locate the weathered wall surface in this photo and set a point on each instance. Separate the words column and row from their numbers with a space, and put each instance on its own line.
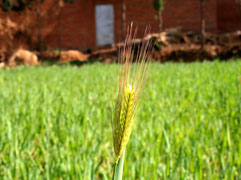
column 76, row 26
column 72, row 25
column 29, row 28
column 229, row 15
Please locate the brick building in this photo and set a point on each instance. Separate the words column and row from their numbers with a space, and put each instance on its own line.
column 87, row 24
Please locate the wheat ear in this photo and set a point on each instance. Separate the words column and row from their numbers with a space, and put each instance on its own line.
column 133, row 62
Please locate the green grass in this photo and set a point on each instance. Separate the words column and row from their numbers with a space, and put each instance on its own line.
column 55, row 123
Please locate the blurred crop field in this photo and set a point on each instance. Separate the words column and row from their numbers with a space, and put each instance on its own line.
column 55, row 123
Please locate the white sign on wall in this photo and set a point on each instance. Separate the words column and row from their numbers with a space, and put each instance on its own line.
column 104, row 20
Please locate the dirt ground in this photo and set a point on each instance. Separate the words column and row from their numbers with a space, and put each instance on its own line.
column 171, row 45
column 174, row 45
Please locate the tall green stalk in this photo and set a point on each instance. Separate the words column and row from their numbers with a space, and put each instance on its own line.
column 118, row 168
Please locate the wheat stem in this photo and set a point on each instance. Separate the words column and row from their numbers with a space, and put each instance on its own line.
column 118, row 168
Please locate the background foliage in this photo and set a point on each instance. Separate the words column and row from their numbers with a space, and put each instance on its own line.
column 55, row 123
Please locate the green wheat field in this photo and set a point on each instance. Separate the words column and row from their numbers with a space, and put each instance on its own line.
column 55, row 123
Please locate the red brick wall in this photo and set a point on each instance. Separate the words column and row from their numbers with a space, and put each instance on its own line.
column 211, row 15
column 229, row 15
column 187, row 15
column 142, row 14
column 78, row 19
column 77, row 26
column 74, row 28
column 49, row 24
column 182, row 13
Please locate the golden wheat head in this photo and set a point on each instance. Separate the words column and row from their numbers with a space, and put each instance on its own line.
column 133, row 62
